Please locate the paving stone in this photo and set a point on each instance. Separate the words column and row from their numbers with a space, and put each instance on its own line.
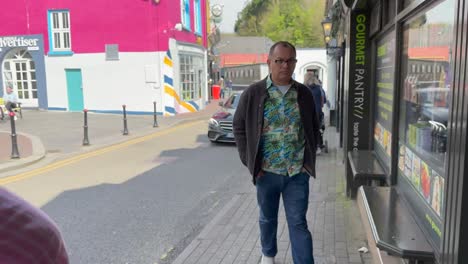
column 354, row 258
column 342, row 261
column 233, row 238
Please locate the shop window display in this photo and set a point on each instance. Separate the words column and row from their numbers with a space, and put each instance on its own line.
column 425, row 100
column 384, row 85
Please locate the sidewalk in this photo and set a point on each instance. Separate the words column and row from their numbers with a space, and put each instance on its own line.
column 233, row 235
column 58, row 134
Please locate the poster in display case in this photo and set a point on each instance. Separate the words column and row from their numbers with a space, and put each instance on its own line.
column 426, row 182
column 384, row 95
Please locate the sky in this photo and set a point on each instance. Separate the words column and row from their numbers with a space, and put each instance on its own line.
column 230, row 10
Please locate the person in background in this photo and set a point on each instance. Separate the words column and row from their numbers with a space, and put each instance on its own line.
column 229, row 86
column 222, row 84
column 27, row 234
column 324, row 95
column 276, row 132
column 313, row 83
column 10, row 99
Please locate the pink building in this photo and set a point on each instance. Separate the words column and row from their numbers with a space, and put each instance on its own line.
column 99, row 55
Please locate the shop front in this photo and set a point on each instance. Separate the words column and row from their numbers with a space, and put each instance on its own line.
column 404, row 100
column 185, row 78
column 23, row 68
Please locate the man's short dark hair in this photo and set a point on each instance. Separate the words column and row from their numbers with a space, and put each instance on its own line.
column 284, row 44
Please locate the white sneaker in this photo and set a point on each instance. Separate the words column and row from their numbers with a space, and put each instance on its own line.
column 267, row 260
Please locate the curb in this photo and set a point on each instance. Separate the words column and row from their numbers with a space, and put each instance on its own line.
column 38, row 153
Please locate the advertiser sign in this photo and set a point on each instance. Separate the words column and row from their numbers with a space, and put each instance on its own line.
column 31, row 43
column 359, row 120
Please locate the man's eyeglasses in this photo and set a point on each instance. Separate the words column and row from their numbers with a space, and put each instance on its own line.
column 288, row 61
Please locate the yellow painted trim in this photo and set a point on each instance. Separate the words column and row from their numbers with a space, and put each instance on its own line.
column 168, row 61
column 173, row 93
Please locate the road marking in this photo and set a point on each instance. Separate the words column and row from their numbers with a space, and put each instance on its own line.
column 65, row 162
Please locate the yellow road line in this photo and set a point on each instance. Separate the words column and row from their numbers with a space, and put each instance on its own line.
column 65, row 162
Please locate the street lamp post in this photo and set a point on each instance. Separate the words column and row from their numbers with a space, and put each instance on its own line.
column 327, row 27
column 213, row 39
column 334, row 52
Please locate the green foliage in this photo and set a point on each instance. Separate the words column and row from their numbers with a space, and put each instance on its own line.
column 248, row 23
column 336, row 19
column 297, row 21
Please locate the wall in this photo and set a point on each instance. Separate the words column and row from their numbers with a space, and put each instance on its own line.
column 107, row 84
column 307, row 58
column 142, row 30
column 134, row 25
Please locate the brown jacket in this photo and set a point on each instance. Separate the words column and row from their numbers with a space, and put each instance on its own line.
column 248, row 124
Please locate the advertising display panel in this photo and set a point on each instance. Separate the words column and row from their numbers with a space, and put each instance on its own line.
column 385, row 66
column 425, row 92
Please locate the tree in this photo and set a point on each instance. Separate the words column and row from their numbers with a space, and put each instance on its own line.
column 248, row 24
column 297, row 21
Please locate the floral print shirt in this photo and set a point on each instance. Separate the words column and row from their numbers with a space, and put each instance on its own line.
column 282, row 142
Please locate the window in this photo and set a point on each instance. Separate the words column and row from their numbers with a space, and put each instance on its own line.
column 189, row 77
column 198, row 18
column 59, row 32
column 232, row 101
column 384, row 95
column 19, row 70
column 185, row 14
column 424, row 109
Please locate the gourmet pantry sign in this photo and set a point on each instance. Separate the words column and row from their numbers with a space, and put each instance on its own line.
column 359, row 116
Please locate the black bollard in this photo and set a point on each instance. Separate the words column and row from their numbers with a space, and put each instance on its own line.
column 155, row 124
column 14, row 141
column 125, row 131
column 85, row 128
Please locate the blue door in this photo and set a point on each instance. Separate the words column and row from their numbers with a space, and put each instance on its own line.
column 74, row 89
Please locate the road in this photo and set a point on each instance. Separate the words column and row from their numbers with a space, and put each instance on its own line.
column 141, row 201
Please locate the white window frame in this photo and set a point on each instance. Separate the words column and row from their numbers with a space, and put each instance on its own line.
column 60, row 30
column 189, row 78
column 19, row 71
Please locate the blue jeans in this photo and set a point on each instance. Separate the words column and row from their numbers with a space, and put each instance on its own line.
column 295, row 192
column 221, row 94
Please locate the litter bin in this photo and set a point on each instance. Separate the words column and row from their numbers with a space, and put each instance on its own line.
column 216, row 91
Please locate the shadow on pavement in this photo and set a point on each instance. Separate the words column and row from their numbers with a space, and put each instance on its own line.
column 140, row 219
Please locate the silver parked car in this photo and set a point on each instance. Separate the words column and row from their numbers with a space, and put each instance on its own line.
column 220, row 124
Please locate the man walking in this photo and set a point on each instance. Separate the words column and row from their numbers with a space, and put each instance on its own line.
column 276, row 131
column 222, row 86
